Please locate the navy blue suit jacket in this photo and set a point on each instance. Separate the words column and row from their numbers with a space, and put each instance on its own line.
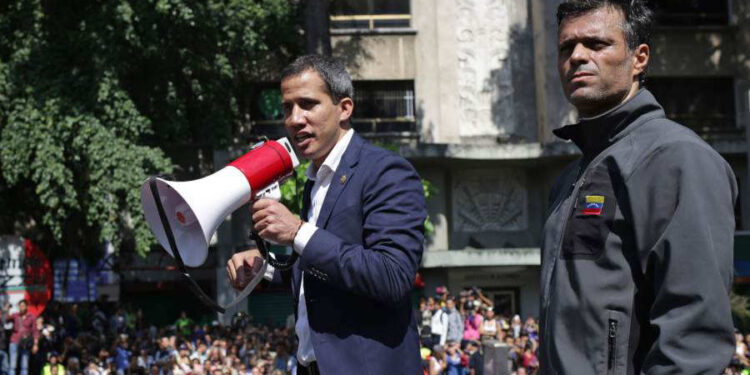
column 360, row 265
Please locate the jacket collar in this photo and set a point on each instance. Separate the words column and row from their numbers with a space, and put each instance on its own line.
column 345, row 169
column 594, row 134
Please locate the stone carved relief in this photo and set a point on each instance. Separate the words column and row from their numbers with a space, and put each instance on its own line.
column 484, row 75
column 490, row 200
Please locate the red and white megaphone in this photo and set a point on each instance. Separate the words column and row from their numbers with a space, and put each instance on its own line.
column 195, row 209
column 184, row 215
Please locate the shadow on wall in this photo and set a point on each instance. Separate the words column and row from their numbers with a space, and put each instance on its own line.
column 513, row 97
column 353, row 53
column 496, row 85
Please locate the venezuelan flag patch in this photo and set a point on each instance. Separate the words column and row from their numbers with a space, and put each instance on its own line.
column 594, row 205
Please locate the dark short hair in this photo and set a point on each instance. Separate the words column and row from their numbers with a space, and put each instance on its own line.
column 638, row 17
column 331, row 70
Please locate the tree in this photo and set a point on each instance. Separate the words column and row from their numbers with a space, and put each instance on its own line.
column 94, row 95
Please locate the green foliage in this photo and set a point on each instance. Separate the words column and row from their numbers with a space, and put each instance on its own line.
column 429, row 191
column 293, row 188
column 90, row 91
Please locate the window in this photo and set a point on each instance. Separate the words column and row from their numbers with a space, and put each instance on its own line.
column 382, row 107
column 690, row 12
column 370, row 14
column 705, row 105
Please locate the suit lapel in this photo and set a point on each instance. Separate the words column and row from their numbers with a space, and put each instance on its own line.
column 340, row 179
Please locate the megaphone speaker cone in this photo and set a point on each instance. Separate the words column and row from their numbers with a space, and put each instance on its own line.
column 194, row 210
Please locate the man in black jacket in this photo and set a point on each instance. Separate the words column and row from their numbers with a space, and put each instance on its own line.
column 637, row 249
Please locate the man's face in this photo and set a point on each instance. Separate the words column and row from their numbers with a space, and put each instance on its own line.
column 311, row 117
column 22, row 307
column 450, row 304
column 597, row 69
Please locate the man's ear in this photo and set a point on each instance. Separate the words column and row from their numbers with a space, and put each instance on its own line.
column 347, row 107
column 641, row 56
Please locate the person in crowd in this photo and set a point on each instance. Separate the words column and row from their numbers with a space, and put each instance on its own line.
column 453, row 358
column 530, row 328
column 53, row 365
column 476, row 360
column 41, row 346
column 184, row 323
column 516, row 326
column 638, row 245
column 122, row 355
column 455, row 323
column 437, row 361
column 472, row 324
column 74, row 366
column 489, row 328
column 439, row 324
column 22, row 338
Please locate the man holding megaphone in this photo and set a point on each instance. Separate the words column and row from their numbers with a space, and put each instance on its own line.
column 359, row 238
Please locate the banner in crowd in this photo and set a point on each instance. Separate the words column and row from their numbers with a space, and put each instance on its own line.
column 75, row 281
column 25, row 273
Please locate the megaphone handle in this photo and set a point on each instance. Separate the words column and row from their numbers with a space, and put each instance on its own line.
column 197, row 290
column 249, row 287
column 279, row 265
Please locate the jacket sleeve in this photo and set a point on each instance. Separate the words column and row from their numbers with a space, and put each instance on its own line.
column 682, row 202
column 393, row 212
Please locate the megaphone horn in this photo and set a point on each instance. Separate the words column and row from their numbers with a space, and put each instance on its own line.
column 195, row 209
column 184, row 215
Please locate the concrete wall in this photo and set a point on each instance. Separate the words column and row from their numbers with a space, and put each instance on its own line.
column 488, row 203
column 474, row 76
column 387, row 56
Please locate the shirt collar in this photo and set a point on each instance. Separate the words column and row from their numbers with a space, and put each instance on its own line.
column 333, row 159
column 594, row 134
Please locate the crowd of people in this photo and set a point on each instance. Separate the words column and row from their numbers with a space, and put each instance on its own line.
column 101, row 339
column 454, row 329
column 92, row 339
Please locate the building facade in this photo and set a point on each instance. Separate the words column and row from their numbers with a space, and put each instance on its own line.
column 469, row 90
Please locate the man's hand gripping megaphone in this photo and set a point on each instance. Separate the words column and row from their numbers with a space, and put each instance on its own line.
column 272, row 222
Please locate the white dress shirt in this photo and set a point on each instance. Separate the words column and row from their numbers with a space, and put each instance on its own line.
column 322, row 178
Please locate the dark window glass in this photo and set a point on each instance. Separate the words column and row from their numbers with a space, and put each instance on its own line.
column 705, row 105
column 362, row 7
column 384, row 107
column 690, row 12
column 384, row 99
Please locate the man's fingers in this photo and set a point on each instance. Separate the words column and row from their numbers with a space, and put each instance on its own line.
column 262, row 203
column 259, row 215
column 229, row 274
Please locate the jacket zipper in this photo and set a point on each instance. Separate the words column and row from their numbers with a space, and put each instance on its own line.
column 612, row 342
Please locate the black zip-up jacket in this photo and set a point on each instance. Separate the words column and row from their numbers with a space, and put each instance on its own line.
column 637, row 250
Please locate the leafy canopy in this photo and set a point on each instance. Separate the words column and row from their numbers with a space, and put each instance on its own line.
column 97, row 95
